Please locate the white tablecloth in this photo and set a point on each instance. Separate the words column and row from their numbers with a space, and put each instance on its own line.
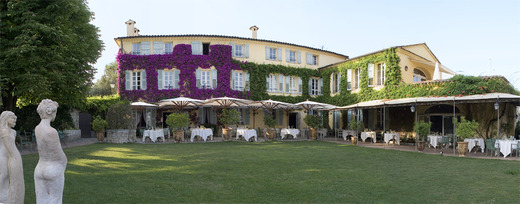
column 202, row 132
column 505, row 146
column 471, row 143
column 292, row 132
column 247, row 133
column 391, row 136
column 153, row 134
column 347, row 133
column 434, row 140
column 322, row 133
column 365, row 135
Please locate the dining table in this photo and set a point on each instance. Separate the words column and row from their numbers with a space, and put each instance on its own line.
column 153, row 134
column 204, row 133
column 434, row 140
column 505, row 146
column 392, row 136
column 289, row 131
column 347, row 133
column 246, row 133
column 365, row 135
column 472, row 142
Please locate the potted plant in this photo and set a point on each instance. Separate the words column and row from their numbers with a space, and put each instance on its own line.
column 464, row 129
column 313, row 122
column 355, row 125
column 422, row 129
column 228, row 117
column 177, row 121
column 99, row 126
column 270, row 122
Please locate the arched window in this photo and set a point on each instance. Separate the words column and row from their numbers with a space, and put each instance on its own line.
column 418, row 75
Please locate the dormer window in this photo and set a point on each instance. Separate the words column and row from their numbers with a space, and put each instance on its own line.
column 418, row 75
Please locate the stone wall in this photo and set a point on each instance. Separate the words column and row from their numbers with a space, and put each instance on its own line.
column 74, row 114
column 72, row 135
column 121, row 136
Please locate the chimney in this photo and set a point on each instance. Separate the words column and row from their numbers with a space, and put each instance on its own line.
column 130, row 29
column 254, row 29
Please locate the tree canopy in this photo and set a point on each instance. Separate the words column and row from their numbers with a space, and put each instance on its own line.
column 102, row 87
column 47, row 49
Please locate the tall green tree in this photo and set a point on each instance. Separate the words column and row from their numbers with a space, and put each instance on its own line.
column 103, row 86
column 47, row 49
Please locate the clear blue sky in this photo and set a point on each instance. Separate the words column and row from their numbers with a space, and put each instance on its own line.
column 469, row 37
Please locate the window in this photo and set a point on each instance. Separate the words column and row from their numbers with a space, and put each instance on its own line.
column 168, row 79
column 238, row 51
column 272, row 83
column 168, row 48
column 145, row 48
column 381, row 74
column 293, row 56
column 349, row 79
column 206, row 78
column 196, row 48
column 205, row 48
column 273, row 53
column 315, row 85
column 239, row 80
column 291, row 85
column 135, row 80
column 335, row 81
column 158, row 47
column 357, row 74
column 418, row 75
column 136, row 48
column 312, row 59
column 370, row 75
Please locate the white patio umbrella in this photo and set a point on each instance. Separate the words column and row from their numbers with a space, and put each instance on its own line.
column 180, row 102
column 226, row 102
column 312, row 105
column 141, row 106
column 270, row 105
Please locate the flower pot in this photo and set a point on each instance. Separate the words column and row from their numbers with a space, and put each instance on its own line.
column 420, row 145
column 271, row 133
column 178, row 135
column 462, row 148
column 226, row 133
column 314, row 133
column 354, row 140
column 100, row 135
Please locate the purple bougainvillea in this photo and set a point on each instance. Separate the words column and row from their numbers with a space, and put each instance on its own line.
column 182, row 59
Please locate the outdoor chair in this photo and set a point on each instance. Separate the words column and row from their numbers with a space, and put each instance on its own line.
column 62, row 136
column 339, row 133
column 24, row 140
column 490, row 146
column 445, row 140
column 167, row 132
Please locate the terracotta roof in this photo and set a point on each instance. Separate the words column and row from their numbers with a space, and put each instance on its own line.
column 224, row 36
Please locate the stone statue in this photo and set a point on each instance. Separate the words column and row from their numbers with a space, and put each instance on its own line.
column 12, row 187
column 49, row 175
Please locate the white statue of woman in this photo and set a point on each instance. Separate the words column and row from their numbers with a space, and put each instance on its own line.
column 12, row 187
column 49, row 175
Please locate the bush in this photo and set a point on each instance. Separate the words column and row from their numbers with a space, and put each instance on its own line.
column 229, row 117
column 312, row 121
column 28, row 118
column 269, row 121
column 99, row 124
column 465, row 128
column 120, row 116
column 178, row 120
column 422, row 129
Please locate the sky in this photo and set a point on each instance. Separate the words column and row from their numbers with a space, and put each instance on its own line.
column 470, row 37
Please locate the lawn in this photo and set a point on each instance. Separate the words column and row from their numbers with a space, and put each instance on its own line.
column 276, row 172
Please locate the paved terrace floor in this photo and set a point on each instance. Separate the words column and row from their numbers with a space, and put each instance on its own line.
column 391, row 147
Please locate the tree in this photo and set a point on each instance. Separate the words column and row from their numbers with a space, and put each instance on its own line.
column 102, row 87
column 46, row 51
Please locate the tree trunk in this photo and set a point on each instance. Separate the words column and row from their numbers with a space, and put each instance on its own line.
column 8, row 99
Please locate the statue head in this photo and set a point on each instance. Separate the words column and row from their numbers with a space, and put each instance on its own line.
column 7, row 119
column 47, row 109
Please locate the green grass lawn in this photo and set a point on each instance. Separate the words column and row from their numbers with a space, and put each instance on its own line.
column 276, row 172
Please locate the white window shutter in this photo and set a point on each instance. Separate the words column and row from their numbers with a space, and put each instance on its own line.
column 160, row 79
column 196, row 48
column 128, row 79
column 267, row 83
column 158, row 47
column 280, row 82
column 143, row 80
column 214, row 77
column 232, row 79
column 246, row 116
column 287, row 84
column 300, row 85
column 198, row 77
column 246, row 80
column 201, row 115
column 310, row 86
column 176, row 74
column 246, row 50
column 287, row 54
column 299, row 57
column 309, row 58
column 145, row 48
column 321, row 86
column 339, row 81
column 267, row 52
column 279, row 57
column 232, row 49
column 213, row 116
